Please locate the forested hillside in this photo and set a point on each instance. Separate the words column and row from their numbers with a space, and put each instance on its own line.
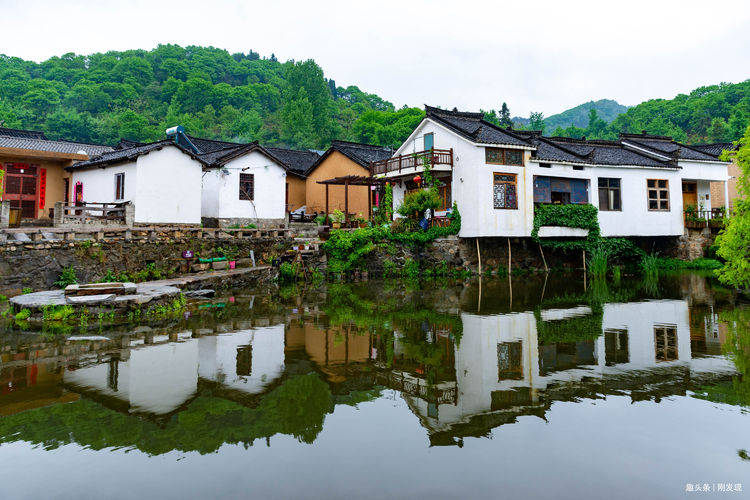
column 606, row 109
column 137, row 94
column 716, row 113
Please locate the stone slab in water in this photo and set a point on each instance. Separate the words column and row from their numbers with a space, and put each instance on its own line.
column 86, row 300
column 116, row 288
column 204, row 292
column 39, row 300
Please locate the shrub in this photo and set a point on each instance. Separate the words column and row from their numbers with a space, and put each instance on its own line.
column 23, row 314
column 650, row 265
column 288, row 272
column 67, row 277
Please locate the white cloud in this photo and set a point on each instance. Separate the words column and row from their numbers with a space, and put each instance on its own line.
column 538, row 55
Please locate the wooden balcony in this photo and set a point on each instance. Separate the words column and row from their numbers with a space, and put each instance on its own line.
column 408, row 163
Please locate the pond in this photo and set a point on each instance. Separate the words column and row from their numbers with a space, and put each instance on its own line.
column 524, row 387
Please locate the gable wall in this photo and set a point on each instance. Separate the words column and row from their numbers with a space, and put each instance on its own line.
column 336, row 165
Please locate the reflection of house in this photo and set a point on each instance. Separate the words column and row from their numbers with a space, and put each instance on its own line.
column 502, row 365
column 35, row 178
column 161, row 376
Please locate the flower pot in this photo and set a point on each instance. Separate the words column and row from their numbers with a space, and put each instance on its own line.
column 337, row 225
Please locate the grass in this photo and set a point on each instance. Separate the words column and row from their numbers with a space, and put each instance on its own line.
column 597, row 262
column 650, row 264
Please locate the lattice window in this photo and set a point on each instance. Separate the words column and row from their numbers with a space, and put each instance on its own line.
column 504, row 191
column 658, row 194
column 247, row 187
column 665, row 342
column 119, row 186
column 502, row 156
column 509, row 360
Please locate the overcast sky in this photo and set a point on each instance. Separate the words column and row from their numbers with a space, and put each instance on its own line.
column 536, row 55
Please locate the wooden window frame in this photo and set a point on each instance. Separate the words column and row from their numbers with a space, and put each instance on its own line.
column 119, row 186
column 658, row 199
column 243, row 194
column 515, row 185
column 608, row 188
column 504, row 160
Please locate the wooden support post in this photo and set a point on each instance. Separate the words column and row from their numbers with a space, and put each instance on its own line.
column 369, row 202
column 584, row 262
column 326, row 221
column 346, row 202
column 479, row 259
column 509, row 261
column 546, row 269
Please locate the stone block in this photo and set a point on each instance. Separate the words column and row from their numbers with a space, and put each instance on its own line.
column 222, row 264
column 200, row 266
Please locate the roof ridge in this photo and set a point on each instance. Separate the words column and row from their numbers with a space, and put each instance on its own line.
column 364, row 144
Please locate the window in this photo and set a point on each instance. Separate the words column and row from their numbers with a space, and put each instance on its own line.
column 658, row 194
column 504, row 191
column 616, row 346
column 665, row 342
column 501, row 156
column 429, row 141
column 609, row 195
column 509, row 364
column 247, row 187
column 119, row 186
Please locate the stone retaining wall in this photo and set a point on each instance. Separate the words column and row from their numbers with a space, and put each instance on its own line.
column 37, row 265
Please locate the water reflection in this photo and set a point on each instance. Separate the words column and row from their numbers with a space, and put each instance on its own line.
column 465, row 360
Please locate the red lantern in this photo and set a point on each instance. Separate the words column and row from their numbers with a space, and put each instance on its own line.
column 417, row 179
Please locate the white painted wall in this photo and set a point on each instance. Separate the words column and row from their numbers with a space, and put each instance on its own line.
column 164, row 186
column 218, row 358
column 156, row 379
column 221, row 189
column 99, row 183
column 169, row 188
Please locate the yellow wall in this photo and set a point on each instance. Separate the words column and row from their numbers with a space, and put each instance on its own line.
column 717, row 189
column 336, row 165
column 55, row 174
column 296, row 192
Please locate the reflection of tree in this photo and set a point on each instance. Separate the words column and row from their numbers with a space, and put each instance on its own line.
column 297, row 408
column 737, row 349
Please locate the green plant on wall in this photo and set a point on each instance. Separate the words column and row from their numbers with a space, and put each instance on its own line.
column 67, row 277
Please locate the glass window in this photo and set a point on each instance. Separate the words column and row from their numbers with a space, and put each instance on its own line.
column 609, row 195
column 119, row 186
column 500, row 156
column 658, row 194
column 247, row 187
column 504, row 191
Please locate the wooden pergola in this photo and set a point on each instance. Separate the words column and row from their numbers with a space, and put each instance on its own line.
column 352, row 180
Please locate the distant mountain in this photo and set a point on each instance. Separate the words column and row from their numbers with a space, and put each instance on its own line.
column 607, row 109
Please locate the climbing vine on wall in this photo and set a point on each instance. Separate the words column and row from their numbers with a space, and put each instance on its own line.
column 584, row 216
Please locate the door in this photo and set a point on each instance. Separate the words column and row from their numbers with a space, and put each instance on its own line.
column 429, row 141
column 21, row 188
column 689, row 194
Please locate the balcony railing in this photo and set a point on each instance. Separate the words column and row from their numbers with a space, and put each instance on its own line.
column 412, row 161
column 704, row 218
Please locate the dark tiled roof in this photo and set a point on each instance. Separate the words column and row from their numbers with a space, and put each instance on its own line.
column 298, row 161
column 613, row 153
column 210, row 145
column 714, row 149
column 130, row 154
column 126, row 143
column 662, row 145
column 21, row 134
column 475, row 128
column 364, row 154
column 37, row 141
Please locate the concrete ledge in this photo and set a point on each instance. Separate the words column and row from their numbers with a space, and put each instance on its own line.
column 562, row 232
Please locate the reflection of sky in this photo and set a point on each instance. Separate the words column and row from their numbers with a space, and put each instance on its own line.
column 592, row 449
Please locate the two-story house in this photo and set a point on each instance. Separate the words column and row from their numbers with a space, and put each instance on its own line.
column 640, row 183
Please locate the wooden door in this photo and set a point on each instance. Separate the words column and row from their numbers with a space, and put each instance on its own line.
column 21, row 188
column 689, row 194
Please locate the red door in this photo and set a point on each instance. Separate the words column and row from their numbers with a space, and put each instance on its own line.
column 21, row 188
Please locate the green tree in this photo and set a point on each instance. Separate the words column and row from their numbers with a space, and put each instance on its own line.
column 734, row 240
column 505, row 119
column 536, row 121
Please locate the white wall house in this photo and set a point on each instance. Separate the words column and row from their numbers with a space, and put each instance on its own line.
column 161, row 179
column 247, row 189
column 497, row 175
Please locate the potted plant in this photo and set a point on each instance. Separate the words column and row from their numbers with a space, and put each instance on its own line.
column 337, row 217
column 361, row 221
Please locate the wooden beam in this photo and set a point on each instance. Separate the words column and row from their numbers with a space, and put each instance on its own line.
column 326, row 221
column 346, row 201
